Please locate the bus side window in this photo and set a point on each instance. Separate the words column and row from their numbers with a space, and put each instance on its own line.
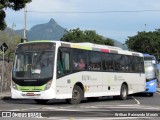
column 129, row 64
column 60, row 64
column 107, row 62
column 117, row 60
column 79, row 59
column 94, row 61
column 140, row 65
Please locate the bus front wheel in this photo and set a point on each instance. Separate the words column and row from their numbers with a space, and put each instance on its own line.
column 124, row 92
column 77, row 95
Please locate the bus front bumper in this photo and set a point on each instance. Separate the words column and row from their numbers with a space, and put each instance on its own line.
column 151, row 87
column 47, row 94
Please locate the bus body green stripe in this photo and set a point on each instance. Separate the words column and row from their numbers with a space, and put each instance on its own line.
column 81, row 47
column 31, row 88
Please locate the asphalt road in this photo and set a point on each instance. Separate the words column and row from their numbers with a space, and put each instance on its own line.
column 135, row 107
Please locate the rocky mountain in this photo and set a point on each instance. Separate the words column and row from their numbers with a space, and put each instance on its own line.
column 51, row 31
column 47, row 31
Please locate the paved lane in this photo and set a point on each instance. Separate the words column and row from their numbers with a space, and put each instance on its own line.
column 104, row 108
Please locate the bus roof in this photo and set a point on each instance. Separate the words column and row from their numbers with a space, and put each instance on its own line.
column 148, row 55
column 98, row 47
column 91, row 46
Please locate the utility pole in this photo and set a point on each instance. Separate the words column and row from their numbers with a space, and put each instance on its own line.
column 25, row 17
column 2, row 70
column 12, row 35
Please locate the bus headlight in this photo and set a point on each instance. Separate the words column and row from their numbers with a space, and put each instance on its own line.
column 14, row 86
column 48, row 85
column 151, row 84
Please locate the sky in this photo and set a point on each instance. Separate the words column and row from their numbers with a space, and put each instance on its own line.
column 116, row 19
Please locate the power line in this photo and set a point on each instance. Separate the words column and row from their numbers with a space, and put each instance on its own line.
column 89, row 12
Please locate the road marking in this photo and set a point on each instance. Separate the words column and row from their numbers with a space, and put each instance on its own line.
column 88, row 108
column 95, row 118
column 136, row 100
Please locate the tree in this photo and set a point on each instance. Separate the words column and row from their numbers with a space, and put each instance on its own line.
column 145, row 42
column 13, row 4
column 11, row 39
column 77, row 35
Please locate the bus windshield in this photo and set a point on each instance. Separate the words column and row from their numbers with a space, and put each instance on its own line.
column 30, row 64
column 150, row 70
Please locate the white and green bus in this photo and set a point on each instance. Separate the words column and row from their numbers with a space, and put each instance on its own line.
column 44, row 70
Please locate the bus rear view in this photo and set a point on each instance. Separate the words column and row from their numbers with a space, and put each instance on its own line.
column 151, row 74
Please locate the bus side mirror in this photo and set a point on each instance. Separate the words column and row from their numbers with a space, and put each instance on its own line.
column 9, row 56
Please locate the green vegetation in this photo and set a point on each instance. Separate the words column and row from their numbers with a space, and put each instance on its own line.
column 11, row 39
column 13, row 4
column 146, row 42
column 77, row 35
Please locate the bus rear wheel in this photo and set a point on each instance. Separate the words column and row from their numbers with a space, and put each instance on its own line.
column 124, row 92
column 77, row 95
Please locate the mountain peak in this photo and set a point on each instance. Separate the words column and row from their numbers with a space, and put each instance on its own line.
column 46, row 31
column 52, row 21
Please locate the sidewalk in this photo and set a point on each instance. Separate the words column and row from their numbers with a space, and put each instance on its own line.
column 5, row 95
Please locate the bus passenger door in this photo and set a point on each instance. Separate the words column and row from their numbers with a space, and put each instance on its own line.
column 63, row 73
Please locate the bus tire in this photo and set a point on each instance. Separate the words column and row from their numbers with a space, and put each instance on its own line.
column 77, row 95
column 40, row 101
column 124, row 92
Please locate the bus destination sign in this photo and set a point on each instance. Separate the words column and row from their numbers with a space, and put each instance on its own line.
column 36, row 47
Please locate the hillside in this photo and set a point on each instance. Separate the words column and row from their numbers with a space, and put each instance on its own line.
column 51, row 31
column 119, row 44
column 47, row 31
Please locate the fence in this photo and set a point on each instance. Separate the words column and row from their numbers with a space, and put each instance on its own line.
column 7, row 76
